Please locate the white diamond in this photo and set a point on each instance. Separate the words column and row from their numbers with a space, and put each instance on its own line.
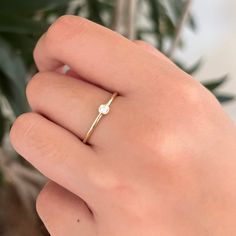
column 104, row 109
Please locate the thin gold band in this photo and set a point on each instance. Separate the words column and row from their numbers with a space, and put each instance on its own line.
column 103, row 110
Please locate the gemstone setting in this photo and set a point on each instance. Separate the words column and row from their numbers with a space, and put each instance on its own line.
column 104, row 109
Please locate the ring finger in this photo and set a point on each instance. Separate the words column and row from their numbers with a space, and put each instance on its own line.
column 75, row 110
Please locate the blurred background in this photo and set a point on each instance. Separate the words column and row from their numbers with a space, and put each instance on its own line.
column 198, row 35
column 214, row 41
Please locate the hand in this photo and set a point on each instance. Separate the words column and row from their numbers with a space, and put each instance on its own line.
column 162, row 162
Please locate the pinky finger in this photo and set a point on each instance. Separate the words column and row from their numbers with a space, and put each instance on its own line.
column 63, row 213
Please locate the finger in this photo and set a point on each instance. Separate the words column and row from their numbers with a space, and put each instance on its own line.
column 142, row 44
column 63, row 213
column 97, row 54
column 55, row 152
column 71, row 103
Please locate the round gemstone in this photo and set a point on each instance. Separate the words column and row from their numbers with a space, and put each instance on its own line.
column 104, row 109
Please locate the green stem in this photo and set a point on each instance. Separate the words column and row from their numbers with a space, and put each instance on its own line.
column 95, row 11
column 156, row 17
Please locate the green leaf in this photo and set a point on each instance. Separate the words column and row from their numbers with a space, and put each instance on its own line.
column 155, row 15
column 20, row 25
column 223, row 98
column 145, row 31
column 11, row 64
column 190, row 70
column 94, row 8
column 175, row 7
column 192, row 23
column 175, row 10
column 12, row 77
column 29, row 6
column 55, row 11
column 194, row 68
column 23, row 44
column 107, row 5
column 214, row 84
column 167, row 25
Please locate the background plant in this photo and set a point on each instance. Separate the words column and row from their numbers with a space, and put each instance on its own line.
column 21, row 24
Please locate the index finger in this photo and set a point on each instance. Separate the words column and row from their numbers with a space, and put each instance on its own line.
column 96, row 53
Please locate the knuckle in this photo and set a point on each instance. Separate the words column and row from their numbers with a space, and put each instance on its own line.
column 37, row 49
column 43, row 205
column 35, row 87
column 41, row 201
column 44, row 196
column 22, row 127
column 193, row 93
column 32, row 88
column 27, row 133
column 106, row 181
column 63, row 29
column 59, row 25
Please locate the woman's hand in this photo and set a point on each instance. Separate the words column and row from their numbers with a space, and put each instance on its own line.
column 162, row 162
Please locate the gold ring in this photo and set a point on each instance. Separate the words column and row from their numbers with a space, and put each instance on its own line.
column 103, row 110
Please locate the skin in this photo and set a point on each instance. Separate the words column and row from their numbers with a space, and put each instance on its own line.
column 162, row 162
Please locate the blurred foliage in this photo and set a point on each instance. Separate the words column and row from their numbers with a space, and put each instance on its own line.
column 22, row 23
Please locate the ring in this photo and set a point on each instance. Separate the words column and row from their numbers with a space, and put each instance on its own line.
column 103, row 110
